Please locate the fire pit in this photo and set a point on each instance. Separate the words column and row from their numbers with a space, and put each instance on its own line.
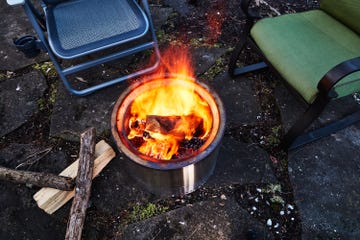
column 194, row 159
column 169, row 128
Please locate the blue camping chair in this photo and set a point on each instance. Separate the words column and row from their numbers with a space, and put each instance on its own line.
column 71, row 29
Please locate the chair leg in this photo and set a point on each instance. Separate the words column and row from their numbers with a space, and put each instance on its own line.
column 325, row 131
column 304, row 121
column 236, row 71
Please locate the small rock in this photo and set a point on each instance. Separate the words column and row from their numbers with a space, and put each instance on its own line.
column 269, row 222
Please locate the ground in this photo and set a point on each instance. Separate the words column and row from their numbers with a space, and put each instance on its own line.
column 255, row 191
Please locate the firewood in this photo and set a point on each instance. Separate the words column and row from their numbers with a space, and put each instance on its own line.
column 50, row 199
column 39, row 179
column 83, row 186
column 166, row 124
column 161, row 124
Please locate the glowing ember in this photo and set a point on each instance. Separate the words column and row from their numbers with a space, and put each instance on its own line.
column 215, row 21
column 167, row 118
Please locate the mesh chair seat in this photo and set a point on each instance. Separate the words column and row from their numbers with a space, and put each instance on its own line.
column 80, row 27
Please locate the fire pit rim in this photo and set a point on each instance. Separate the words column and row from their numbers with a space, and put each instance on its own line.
column 168, row 164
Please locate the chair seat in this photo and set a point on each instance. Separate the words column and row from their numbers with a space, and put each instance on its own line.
column 80, row 27
column 303, row 47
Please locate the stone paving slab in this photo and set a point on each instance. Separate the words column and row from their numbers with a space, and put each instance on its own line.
column 238, row 97
column 18, row 99
column 72, row 115
column 325, row 173
column 214, row 219
column 241, row 163
column 325, row 178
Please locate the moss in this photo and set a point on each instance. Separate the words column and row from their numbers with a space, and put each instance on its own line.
column 47, row 68
column 41, row 104
column 273, row 139
column 140, row 213
column 272, row 188
column 217, row 68
column 52, row 93
column 2, row 76
column 275, row 191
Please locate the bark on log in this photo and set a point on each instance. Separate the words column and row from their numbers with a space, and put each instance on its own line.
column 37, row 178
column 83, row 185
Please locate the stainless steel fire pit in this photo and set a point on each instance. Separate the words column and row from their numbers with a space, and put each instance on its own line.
column 175, row 176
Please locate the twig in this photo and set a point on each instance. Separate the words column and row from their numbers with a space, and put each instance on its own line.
column 37, row 178
column 34, row 157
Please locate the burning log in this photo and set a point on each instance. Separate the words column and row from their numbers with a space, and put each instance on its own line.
column 161, row 124
column 173, row 124
column 167, row 137
column 37, row 179
column 50, row 199
column 83, row 185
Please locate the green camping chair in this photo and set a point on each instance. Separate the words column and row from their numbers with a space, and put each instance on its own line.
column 316, row 52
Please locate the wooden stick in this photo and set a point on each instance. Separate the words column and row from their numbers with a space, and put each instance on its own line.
column 83, row 185
column 37, row 178
column 50, row 199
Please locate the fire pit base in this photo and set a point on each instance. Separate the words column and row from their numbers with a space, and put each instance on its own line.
column 178, row 181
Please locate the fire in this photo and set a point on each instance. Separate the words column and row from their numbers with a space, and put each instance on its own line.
column 166, row 116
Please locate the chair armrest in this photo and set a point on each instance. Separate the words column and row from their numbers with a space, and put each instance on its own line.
column 15, row 2
column 337, row 73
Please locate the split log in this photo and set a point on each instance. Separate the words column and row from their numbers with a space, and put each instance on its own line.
column 161, row 124
column 83, row 186
column 167, row 124
column 37, row 178
column 50, row 199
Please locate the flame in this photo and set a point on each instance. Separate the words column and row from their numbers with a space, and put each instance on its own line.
column 166, row 115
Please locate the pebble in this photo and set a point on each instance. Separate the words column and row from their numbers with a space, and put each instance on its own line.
column 276, row 225
column 258, row 189
column 256, row 199
column 291, row 207
column 269, row 222
column 282, row 212
column 254, row 208
column 223, row 197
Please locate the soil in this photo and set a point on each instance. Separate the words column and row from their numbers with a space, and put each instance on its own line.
column 273, row 207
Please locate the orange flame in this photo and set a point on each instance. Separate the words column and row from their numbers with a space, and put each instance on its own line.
column 165, row 116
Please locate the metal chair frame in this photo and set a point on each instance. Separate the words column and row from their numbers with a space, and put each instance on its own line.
column 39, row 24
column 297, row 135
